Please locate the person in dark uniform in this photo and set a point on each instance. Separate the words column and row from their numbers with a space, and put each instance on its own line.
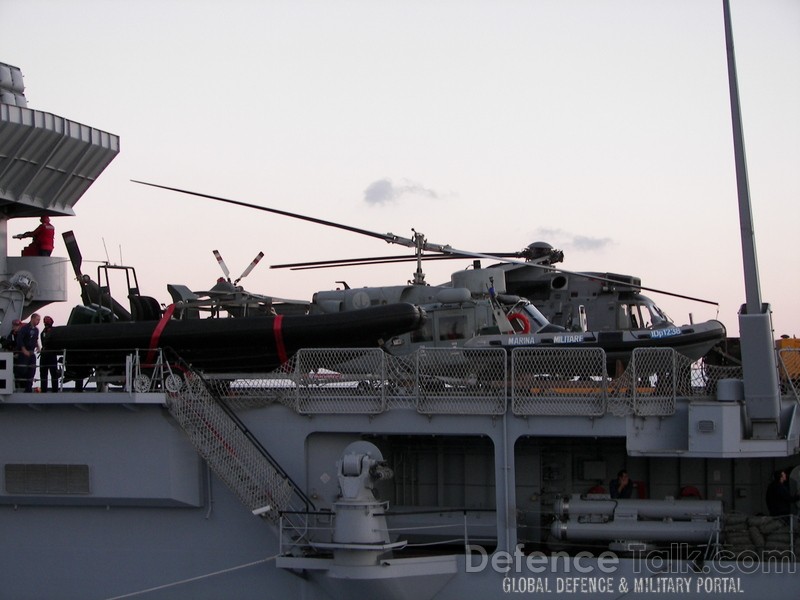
column 27, row 345
column 779, row 495
column 9, row 342
column 48, row 360
column 622, row 486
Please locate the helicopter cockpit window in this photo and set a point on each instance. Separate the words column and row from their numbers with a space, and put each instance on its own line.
column 452, row 328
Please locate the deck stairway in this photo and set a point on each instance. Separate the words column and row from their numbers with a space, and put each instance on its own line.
column 232, row 451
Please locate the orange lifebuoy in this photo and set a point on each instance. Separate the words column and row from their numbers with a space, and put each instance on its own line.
column 523, row 321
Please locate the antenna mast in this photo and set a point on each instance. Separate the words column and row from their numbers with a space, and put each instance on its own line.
column 760, row 381
column 751, row 282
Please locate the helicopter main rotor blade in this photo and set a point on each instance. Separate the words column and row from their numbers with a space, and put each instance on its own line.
column 419, row 243
column 391, row 238
column 250, row 267
column 388, row 237
column 427, row 257
column 376, row 260
column 342, row 261
column 222, row 265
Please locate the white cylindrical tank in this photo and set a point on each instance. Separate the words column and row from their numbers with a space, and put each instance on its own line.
column 653, row 531
column 669, row 508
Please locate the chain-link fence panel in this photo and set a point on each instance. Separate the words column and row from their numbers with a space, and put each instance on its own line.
column 461, row 381
column 710, row 375
column 558, row 381
column 620, row 396
column 651, row 381
column 655, row 378
column 401, row 373
column 340, row 381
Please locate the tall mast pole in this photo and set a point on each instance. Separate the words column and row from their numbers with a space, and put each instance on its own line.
column 760, row 375
column 751, row 282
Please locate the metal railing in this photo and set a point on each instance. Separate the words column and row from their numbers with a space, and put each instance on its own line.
column 310, row 533
column 528, row 381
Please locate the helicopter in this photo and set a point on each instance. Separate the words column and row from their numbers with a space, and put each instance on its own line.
column 478, row 308
column 576, row 301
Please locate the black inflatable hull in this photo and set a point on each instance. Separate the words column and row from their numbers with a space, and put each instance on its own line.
column 247, row 344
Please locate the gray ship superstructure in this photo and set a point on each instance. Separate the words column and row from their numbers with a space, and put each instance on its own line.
column 447, row 473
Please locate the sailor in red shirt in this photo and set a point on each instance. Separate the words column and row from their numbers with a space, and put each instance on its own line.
column 43, row 235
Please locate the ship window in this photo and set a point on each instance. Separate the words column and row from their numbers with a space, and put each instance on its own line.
column 47, row 479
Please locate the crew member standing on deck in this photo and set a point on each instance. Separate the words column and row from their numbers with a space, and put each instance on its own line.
column 43, row 236
column 48, row 360
column 27, row 345
column 10, row 341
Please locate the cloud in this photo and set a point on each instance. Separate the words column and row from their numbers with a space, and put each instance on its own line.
column 564, row 239
column 384, row 191
column 549, row 232
column 380, row 192
column 582, row 242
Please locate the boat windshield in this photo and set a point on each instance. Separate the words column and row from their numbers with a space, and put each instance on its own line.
column 660, row 318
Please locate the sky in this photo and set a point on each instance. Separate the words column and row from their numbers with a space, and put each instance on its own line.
column 599, row 126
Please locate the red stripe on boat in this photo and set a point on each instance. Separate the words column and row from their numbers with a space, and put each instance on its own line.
column 157, row 333
column 277, row 324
